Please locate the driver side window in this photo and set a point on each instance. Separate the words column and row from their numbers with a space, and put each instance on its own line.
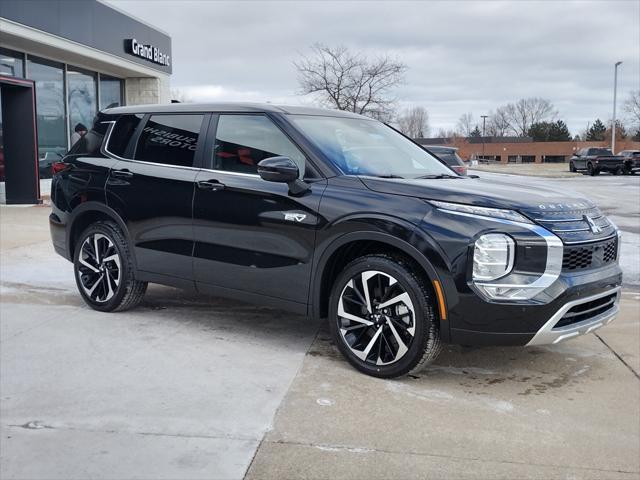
column 242, row 141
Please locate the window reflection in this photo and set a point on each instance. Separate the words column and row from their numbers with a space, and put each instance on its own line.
column 52, row 139
column 110, row 92
column 83, row 103
column 11, row 63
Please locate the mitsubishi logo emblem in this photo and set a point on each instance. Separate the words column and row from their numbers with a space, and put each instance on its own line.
column 595, row 229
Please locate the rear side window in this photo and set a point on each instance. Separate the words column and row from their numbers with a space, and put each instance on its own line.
column 122, row 134
column 450, row 158
column 90, row 143
column 242, row 141
column 169, row 139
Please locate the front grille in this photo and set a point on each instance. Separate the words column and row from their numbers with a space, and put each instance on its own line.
column 587, row 310
column 591, row 255
column 575, row 226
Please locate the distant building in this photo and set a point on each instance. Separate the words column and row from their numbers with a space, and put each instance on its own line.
column 519, row 149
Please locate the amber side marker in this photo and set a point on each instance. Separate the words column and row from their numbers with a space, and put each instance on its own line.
column 443, row 310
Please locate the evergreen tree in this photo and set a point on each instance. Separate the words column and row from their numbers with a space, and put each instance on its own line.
column 597, row 132
column 475, row 133
column 540, row 131
column 559, row 132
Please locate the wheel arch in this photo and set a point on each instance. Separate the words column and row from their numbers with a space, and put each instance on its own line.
column 356, row 244
column 90, row 212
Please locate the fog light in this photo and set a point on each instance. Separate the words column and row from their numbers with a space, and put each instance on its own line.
column 493, row 256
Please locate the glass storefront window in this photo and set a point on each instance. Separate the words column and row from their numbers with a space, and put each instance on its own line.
column 83, row 102
column 11, row 63
column 110, row 92
column 52, row 138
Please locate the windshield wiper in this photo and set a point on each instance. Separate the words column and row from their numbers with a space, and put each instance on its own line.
column 441, row 175
column 389, row 176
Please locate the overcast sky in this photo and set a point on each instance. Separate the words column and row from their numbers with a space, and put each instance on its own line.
column 462, row 56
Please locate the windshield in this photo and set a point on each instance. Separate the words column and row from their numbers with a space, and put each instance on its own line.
column 367, row 147
column 600, row 151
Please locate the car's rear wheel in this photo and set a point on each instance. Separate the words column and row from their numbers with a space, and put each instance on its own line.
column 591, row 170
column 104, row 269
column 382, row 317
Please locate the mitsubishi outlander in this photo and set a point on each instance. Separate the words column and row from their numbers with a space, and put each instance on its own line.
column 332, row 215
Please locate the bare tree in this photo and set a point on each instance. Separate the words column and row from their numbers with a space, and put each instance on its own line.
column 465, row 124
column 444, row 133
column 527, row 111
column 497, row 124
column 414, row 122
column 179, row 95
column 351, row 81
column 632, row 107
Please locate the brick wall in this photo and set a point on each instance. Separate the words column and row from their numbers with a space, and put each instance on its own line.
column 537, row 150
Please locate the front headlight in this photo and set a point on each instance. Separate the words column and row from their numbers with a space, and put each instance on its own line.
column 465, row 209
column 493, row 256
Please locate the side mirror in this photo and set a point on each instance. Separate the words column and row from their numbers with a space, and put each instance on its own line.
column 283, row 170
column 278, row 169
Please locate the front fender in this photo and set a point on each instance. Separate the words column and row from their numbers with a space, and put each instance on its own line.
column 395, row 232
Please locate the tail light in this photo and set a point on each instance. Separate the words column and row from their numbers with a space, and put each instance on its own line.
column 57, row 167
column 459, row 169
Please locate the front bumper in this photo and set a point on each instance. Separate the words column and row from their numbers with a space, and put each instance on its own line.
column 593, row 312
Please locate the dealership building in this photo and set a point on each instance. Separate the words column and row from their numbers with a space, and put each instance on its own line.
column 61, row 61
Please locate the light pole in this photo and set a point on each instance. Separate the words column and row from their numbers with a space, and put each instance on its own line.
column 484, row 124
column 613, row 123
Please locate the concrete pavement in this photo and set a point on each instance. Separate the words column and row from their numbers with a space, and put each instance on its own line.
column 565, row 411
column 181, row 387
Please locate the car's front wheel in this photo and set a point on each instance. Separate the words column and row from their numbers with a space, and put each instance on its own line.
column 382, row 317
column 104, row 269
column 572, row 167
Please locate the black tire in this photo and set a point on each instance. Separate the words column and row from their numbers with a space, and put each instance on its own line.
column 423, row 347
column 572, row 167
column 591, row 170
column 119, row 292
column 619, row 171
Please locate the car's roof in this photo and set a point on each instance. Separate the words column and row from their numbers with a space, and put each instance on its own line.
column 237, row 107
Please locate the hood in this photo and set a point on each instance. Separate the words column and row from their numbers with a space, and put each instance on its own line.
column 569, row 215
column 480, row 192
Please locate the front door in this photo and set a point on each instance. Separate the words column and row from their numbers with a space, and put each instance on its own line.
column 154, row 190
column 251, row 235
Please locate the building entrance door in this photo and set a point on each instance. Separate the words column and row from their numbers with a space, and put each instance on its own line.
column 19, row 179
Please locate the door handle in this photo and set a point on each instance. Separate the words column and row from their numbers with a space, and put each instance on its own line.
column 122, row 173
column 212, row 185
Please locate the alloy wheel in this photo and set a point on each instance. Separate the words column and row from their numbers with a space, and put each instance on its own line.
column 99, row 269
column 376, row 318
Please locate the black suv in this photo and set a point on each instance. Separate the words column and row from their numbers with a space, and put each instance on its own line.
column 331, row 215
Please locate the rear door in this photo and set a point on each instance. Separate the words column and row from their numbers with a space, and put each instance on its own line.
column 152, row 187
column 253, row 236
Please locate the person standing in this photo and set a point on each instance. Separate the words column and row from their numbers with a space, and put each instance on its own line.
column 79, row 131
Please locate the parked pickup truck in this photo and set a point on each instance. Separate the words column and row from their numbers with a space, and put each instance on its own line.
column 595, row 160
column 631, row 161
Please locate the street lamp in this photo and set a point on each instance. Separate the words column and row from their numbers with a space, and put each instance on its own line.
column 484, row 123
column 613, row 123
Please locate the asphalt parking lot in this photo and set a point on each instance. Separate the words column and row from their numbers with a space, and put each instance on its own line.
column 192, row 387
